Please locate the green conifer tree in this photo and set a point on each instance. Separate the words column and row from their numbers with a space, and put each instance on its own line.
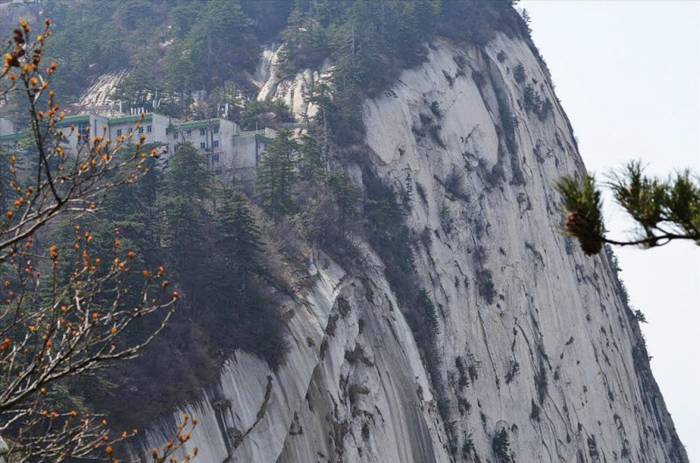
column 311, row 162
column 663, row 210
column 239, row 298
column 277, row 173
column 184, row 202
column 220, row 42
column 239, row 241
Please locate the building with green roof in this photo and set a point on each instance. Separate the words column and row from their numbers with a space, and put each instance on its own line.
column 230, row 152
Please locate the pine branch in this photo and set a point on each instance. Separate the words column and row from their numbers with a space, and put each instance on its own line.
column 664, row 210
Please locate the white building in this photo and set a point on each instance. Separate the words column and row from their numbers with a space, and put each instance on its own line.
column 230, row 152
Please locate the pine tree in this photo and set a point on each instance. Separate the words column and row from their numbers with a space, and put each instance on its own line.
column 184, row 201
column 307, row 42
column 346, row 195
column 239, row 241
column 663, row 210
column 132, row 210
column 238, row 298
column 187, row 173
column 385, row 225
column 276, row 175
column 127, row 215
column 256, row 113
column 311, row 162
column 219, row 43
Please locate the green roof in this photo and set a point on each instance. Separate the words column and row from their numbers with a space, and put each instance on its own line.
column 72, row 120
column 205, row 124
column 11, row 137
column 263, row 139
column 130, row 119
column 79, row 119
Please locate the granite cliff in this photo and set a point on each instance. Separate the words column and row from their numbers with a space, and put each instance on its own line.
column 536, row 355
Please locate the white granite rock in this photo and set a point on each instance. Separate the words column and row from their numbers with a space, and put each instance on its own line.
column 534, row 337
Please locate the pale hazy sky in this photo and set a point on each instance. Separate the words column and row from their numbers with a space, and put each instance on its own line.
column 628, row 75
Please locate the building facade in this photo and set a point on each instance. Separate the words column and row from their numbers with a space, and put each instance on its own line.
column 231, row 153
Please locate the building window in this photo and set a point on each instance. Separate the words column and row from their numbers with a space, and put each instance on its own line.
column 215, row 158
column 140, row 129
column 83, row 133
column 149, row 129
column 119, row 132
column 202, row 145
column 216, row 143
column 189, row 133
column 216, row 130
column 202, row 132
column 175, row 135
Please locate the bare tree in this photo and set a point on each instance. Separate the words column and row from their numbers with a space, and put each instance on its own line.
column 63, row 318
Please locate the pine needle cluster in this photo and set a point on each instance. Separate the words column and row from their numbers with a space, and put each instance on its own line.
column 663, row 210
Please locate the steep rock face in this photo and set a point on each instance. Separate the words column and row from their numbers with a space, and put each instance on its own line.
column 101, row 93
column 293, row 91
column 540, row 359
column 556, row 354
column 255, row 414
